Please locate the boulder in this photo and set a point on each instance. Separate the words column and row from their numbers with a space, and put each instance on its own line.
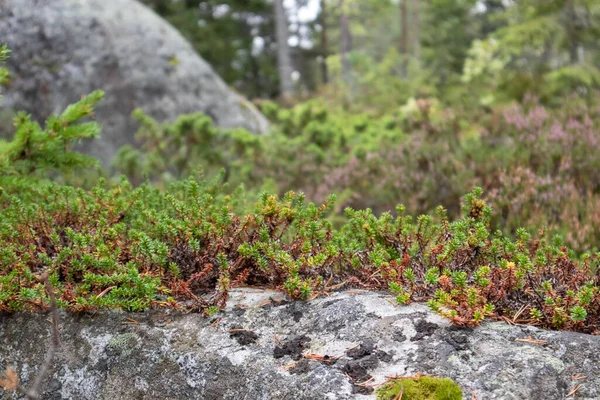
column 63, row 49
column 266, row 347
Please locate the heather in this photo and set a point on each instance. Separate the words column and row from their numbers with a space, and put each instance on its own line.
column 536, row 163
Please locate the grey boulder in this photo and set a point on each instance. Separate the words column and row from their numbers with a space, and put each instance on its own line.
column 264, row 347
column 63, row 49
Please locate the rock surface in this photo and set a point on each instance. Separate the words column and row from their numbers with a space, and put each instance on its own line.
column 63, row 49
column 255, row 351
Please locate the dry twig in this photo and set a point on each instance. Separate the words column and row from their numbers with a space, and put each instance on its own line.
column 416, row 376
column 289, row 366
column 324, row 359
column 104, row 292
column 400, row 394
column 367, row 383
column 391, row 302
column 574, row 390
column 334, row 287
column 579, row 377
column 529, row 339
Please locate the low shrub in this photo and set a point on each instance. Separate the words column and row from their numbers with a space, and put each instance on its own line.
column 135, row 248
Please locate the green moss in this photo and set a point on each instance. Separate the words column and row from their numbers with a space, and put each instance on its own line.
column 424, row 388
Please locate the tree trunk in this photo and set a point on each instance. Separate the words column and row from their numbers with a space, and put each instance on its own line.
column 284, row 59
column 416, row 36
column 404, row 35
column 346, row 45
column 571, row 33
column 324, row 43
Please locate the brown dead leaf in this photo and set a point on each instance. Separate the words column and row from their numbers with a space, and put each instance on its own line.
column 10, row 380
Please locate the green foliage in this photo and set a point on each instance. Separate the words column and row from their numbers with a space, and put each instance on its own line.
column 465, row 53
column 33, row 149
column 186, row 241
column 422, row 155
column 134, row 248
column 483, row 70
column 423, row 388
column 173, row 151
column 580, row 77
column 4, row 74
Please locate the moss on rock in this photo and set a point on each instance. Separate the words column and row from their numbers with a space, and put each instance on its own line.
column 424, row 388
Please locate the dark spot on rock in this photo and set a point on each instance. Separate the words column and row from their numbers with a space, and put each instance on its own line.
column 356, row 389
column 424, row 329
column 372, row 315
column 383, row 356
column 54, row 396
column 328, row 360
column 102, row 365
column 398, row 336
column 54, row 386
column 330, row 302
column 275, row 303
column 458, row 340
column 358, row 370
column 238, row 311
column 547, row 383
column 244, row 337
column 302, row 367
column 295, row 310
column 297, row 315
column 278, row 303
column 366, row 348
column 292, row 348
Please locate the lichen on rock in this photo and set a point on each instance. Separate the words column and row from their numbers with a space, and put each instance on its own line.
column 319, row 357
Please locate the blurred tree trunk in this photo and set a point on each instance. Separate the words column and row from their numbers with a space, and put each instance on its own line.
column 404, row 35
column 416, row 13
column 571, row 32
column 346, row 47
column 284, row 59
column 324, row 43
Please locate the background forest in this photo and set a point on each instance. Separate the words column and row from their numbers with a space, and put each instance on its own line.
column 404, row 101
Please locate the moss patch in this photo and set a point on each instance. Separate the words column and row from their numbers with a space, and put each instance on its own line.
column 424, row 388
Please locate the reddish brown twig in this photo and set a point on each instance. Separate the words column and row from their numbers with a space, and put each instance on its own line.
column 529, row 339
column 574, row 390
